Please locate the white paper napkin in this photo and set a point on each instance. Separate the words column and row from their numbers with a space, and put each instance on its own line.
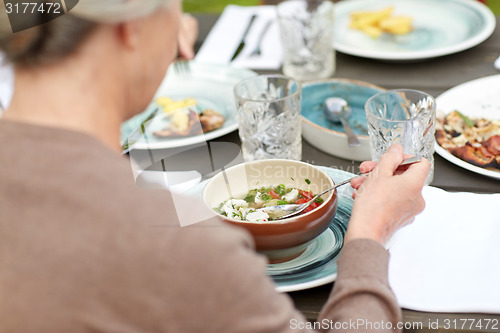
column 448, row 260
column 6, row 83
column 225, row 37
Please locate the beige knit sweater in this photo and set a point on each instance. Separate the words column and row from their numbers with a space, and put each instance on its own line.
column 83, row 249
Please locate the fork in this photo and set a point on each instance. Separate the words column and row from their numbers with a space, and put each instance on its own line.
column 257, row 51
column 182, row 68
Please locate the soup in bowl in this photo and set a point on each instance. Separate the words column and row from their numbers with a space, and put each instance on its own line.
column 237, row 192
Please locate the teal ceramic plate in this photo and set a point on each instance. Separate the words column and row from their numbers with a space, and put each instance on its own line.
column 212, row 88
column 318, row 264
column 323, row 248
column 440, row 28
column 355, row 93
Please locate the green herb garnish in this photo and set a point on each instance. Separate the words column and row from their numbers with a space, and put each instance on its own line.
column 466, row 119
column 280, row 189
column 265, row 197
column 250, row 198
column 238, row 214
column 308, row 181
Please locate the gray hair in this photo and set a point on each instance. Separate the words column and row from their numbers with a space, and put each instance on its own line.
column 54, row 40
column 113, row 11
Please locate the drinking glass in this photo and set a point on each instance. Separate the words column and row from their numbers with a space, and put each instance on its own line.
column 402, row 116
column 269, row 117
column 306, row 29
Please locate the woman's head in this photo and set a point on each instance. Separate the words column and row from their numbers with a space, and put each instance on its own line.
column 52, row 41
column 125, row 45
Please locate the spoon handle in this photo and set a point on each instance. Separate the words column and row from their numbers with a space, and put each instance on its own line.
column 352, row 140
column 407, row 161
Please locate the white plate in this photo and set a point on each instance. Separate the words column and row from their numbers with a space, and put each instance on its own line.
column 440, row 28
column 211, row 86
column 477, row 98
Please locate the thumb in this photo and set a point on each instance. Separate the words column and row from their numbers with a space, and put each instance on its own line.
column 391, row 160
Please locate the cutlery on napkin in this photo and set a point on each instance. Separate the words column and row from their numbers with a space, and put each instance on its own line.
column 242, row 42
column 225, row 38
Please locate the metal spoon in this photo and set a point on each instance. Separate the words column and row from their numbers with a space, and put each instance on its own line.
column 337, row 110
column 284, row 211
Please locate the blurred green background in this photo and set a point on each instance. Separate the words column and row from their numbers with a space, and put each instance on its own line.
column 494, row 5
column 217, row 6
column 214, row 6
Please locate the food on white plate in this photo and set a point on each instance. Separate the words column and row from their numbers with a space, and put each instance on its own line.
column 169, row 105
column 183, row 119
column 375, row 22
column 249, row 207
column 182, row 123
column 211, row 120
column 474, row 140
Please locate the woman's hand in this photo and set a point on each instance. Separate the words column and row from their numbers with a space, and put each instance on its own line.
column 389, row 198
column 188, row 32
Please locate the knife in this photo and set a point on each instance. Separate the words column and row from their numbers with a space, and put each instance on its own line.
column 242, row 43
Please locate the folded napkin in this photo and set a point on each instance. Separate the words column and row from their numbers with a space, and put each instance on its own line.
column 448, row 259
column 226, row 35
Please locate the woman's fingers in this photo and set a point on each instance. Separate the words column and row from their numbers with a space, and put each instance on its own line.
column 390, row 161
column 367, row 166
column 357, row 182
column 417, row 172
column 188, row 32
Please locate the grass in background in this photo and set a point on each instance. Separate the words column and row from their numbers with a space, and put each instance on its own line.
column 217, row 6
column 494, row 5
column 214, row 6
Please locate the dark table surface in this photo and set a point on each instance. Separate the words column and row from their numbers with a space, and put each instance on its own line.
column 433, row 76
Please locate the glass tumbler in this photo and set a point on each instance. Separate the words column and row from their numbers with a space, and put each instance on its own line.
column 269, row 117
column 402, row 116
column 306, row 29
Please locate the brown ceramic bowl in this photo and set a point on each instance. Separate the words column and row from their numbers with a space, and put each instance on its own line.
column 285, row 239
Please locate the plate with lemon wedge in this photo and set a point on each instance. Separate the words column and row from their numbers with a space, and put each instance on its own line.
column 191, row 106
column 408, row 30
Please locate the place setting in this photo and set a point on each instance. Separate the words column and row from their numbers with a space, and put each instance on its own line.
column 273, row 107
column 310, row 165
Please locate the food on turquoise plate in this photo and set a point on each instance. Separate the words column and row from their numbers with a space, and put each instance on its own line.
column 376, row 22
column 474, row 140
column 249, row 206
column 182, row 118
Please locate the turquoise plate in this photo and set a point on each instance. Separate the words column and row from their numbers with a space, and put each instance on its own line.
column 318, row 264
column 440, row 27
column 328, row 136
column 356, row 93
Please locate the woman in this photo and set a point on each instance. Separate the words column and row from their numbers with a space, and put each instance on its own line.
column 83, row 249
